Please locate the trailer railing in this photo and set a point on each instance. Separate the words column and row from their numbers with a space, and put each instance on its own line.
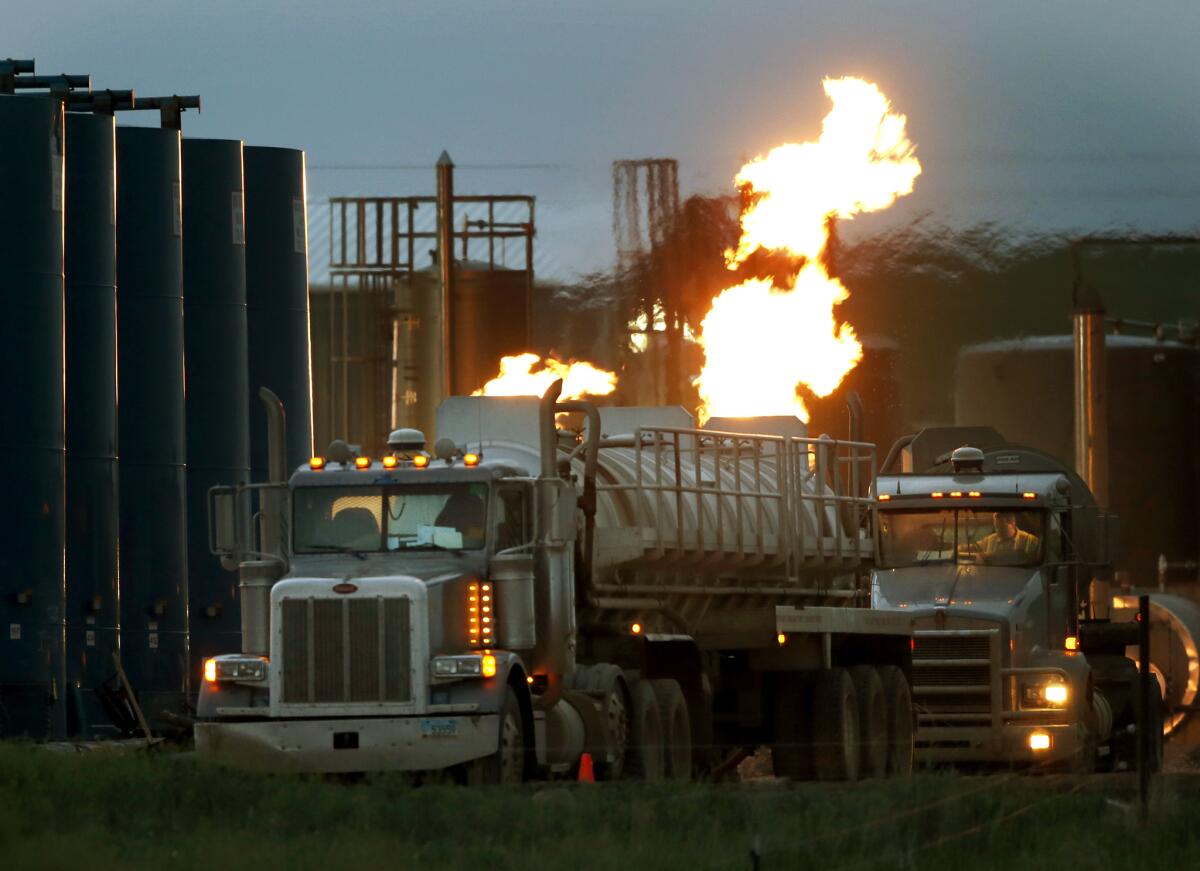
column 738, row 499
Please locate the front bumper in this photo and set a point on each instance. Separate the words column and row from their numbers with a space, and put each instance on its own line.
column 1005, row 745
column 419, row 743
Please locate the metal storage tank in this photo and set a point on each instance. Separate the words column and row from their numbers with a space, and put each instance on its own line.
column 218, row 434
column 1024, row 388
column 91, row 404
column 32, row 673
column 153, row 518
column 490, row 313
column 277, row 299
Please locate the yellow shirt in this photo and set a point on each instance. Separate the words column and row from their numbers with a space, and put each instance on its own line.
column 1023, row 544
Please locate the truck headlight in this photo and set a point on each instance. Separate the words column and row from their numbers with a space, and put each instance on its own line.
column 235, row 668
column 1052, row 693
column 470, row 665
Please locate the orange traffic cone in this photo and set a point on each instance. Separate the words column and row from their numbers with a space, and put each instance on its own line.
column 585, row 769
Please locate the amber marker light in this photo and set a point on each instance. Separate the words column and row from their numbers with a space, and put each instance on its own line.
column 885, row 497
column 316, row 463
column 488, row 665
column 210, row 670
column 420, row 461
column 974, row 494
column 389, row 462
column 1029, row 495
column 1072, row 643
column 362, row 462
column 938, row 495
column 956, row 494
column 636, row 628
column 781, row 638
column 470, row 459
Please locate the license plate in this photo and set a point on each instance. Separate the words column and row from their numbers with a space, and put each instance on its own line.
column 439, row 728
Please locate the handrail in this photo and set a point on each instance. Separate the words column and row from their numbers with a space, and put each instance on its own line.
column 811, row 486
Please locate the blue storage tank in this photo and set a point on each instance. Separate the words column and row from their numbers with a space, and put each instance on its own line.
column 153, row 526
column 218, row 435
column 32, row 673
column 91, row 405
column 277, row 299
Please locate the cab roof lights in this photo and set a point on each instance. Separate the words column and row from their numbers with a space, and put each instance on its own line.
column 316, row 463
column 362, row 462
column 390, row 462
column 420, row 461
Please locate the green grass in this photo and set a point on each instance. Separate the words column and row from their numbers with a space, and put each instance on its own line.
column 148, row 810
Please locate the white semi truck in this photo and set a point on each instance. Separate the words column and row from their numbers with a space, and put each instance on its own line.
column 660, row 596
column 993, row 549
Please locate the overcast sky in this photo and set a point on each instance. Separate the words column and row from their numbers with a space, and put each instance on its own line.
column 1069, row 114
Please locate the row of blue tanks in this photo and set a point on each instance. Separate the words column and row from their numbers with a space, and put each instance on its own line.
column 152, row 284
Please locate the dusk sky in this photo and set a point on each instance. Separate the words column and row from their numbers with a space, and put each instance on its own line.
column 1069, row 115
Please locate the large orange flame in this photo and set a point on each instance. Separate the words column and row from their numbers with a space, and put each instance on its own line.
column 518, row 377
column 762, row 339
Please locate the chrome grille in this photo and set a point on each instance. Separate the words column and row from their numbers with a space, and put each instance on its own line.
column 952, row 677
column 346, row 650
column 952, row 647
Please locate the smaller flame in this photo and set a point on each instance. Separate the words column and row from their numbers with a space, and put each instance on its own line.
column 519, row 377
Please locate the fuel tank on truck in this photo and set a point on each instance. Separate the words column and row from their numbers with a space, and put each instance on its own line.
column 91, row 393
column 32, row 675
column 1025, row 389
column 218, row 407
column 150, row 419
column 277, row 304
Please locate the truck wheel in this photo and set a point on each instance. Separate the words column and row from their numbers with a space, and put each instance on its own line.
column 645, row 759
column 872, row 721
column 835, row 726
column 791, row 750
column 676, row 729
column 897, row 705
column 605, row 683
column 507, row 764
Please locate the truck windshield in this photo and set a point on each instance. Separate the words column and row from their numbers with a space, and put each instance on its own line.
column 373, row 519
column 932, row 537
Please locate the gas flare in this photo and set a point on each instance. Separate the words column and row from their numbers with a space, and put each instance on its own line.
column 518, row 377
column 765, row 337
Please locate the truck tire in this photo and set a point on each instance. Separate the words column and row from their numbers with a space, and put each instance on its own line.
column 791, row 748
column 506, row 765
column 605, row 683
column 645, row 758
column 676, row 729
column 872, row 721
column 835, row 726
column 897, row 703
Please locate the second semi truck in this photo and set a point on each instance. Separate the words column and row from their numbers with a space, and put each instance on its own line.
column 992, row 549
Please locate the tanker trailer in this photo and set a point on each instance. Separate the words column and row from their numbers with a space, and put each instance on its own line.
column 658, row 596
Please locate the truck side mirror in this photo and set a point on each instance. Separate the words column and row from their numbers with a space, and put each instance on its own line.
column 557, row 505
column 223, row 525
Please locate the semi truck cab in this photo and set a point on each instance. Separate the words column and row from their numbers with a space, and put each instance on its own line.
column 377, row 546
column 992, row 553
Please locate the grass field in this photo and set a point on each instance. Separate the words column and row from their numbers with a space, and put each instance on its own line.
column 165, row 810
